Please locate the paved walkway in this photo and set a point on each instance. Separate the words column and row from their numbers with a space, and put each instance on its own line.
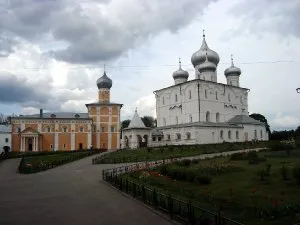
column 70, row 194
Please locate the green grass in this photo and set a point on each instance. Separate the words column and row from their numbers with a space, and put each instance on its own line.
column 239, row 191
column 34, row 164
column 145, row 154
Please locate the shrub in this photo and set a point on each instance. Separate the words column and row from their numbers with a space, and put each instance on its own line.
column 163, row 169
column 195, row 161
column 279, row 145
column 186, row 162
column 252, row 155
column 296, row 173
column 237, row 156
column 262, row 173
column 284, row 172
column 255, row 161
column 268, row 169
column 203, row 179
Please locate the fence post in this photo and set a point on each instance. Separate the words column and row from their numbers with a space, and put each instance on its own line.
column 154, row 198
column 126, row 185
column 144, row 193
column 191, row 214
column 170, row 206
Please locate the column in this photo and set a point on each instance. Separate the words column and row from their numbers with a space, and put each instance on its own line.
column 72, row 137
column 21, row 144
column 89, row 136
column 98, row 127
column 109, row 128
column 33, row 144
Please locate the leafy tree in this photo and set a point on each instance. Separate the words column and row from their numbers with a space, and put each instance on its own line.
column 149, row 121
column 125, row 124
column 262, row 119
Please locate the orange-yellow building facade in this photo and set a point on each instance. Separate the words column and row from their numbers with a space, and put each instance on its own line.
column 99, row 128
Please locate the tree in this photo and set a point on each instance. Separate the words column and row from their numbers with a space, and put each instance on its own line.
column 262, row 119
column 149, row 121
column 125, row 124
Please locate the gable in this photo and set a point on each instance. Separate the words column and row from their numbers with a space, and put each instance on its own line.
column 29, row 130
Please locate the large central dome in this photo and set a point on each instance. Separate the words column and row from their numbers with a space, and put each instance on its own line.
column 200, row 56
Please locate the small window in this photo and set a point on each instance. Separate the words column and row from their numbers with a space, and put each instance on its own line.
column 164, row 122
column 229, row 99
column 188, row 135
column 6, row 140
column 163, row 100
column 255, row 134
column 65, row 129
column 229, row 134
column 191, row 118
column 168, row 137
column 95, row 128
column 19, row 129
column 221, row 134
column 112, row 129
column 207, row 116
column 159, row 138
column 261, row 134
column 48, row 129
column 51, row 146
column 218, row 117
column 176, row 120
column 237, row 135
column 81, row 129
column 205, row 93
column 102, row 129
column 216, row 95
column 190, row 94
column 153, row 138
column 176, row 98
column 64, row 146
column 241, row 99
column 178, row 136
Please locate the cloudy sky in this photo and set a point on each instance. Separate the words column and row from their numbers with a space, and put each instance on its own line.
column 53, row 51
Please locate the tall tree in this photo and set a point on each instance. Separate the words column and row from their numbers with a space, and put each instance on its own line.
column 262, row 119
column 149, row 121
column 125, row 124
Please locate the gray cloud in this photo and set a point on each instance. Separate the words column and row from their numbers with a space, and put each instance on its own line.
column 95, row 33
column 269, row 16
column 14, row 89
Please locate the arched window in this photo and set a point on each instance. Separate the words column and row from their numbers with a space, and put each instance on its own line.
column 80, row 129
column 191, row 118
column 65, row 129
column 163, row 100
column 237, row 134
column 229, row 99
column 221, row 134
column 218, row 117
column 190, row 94
column 164, row 122
column 261, row 134
column 95, row 128
column 176, row 120
column 48, row 129
column 188, row 135
column 241, row 99
column 229, row 134
column 255, row 134
column 178, row 136
column 207, row 116
column 216, row 95
column 176, row 98
column 205, row 93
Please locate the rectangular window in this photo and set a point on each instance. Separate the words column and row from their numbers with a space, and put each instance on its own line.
column 6, row 140
column 191, row 119
column 51, row 146
column 102, row 129
column 65, row 129
column 168, row 137
column 112, row 129
column 237, row 135
column 64, row 146
column 190, row 94
column 176, row 99
column 153, row 138
column 159, row 138
column 48, row 129
column 81, row 129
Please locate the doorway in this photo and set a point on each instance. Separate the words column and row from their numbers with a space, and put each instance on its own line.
column 80, row 146
column 30, row 145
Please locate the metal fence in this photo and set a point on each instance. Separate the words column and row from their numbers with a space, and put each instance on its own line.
column 184, row 211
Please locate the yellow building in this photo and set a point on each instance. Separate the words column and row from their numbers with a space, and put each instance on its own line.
column 99, row 128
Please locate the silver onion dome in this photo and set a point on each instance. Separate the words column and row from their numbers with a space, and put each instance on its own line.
column 199, row 56
column 180, row 73
column 207, row 65
column 104, row 81
column 232, row 70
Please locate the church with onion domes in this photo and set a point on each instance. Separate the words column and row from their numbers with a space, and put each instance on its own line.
column 199, row 110
column 99, row 128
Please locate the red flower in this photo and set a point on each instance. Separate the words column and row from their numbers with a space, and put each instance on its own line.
column 275, row 203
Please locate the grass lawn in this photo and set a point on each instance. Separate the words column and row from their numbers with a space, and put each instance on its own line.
column 254, row 194
column 33, row 164
column 146, row 154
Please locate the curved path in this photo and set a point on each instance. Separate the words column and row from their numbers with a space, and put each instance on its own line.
column 70, row 194
column 73, row 193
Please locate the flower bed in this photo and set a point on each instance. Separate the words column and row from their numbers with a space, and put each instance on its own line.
column 34, row 164
column 235, row 188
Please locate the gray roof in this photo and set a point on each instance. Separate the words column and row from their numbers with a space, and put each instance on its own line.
column 136, row 121
column 59, row 115
column 5, row 128
column 243, row 119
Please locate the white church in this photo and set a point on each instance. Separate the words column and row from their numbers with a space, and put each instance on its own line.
column 198, row 111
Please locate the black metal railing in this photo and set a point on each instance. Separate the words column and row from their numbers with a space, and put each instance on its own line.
column 178, row 209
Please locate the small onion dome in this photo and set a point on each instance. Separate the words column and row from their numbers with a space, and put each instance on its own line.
column 199, row 56
column 104, row 82
column 232, row 70
column 180, row 73
column 207, row 65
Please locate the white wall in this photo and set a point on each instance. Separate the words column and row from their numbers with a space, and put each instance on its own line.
column 3, row 142
column 215, row 98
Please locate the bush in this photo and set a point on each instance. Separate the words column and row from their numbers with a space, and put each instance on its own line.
column 262, row 173
column 195, row 161
column 203, row 179
column 279, row 145
column 238, row 156
column 296, row 173
column 186, row 162
column 163, row 170
column 255, row 161
column 284, row 172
